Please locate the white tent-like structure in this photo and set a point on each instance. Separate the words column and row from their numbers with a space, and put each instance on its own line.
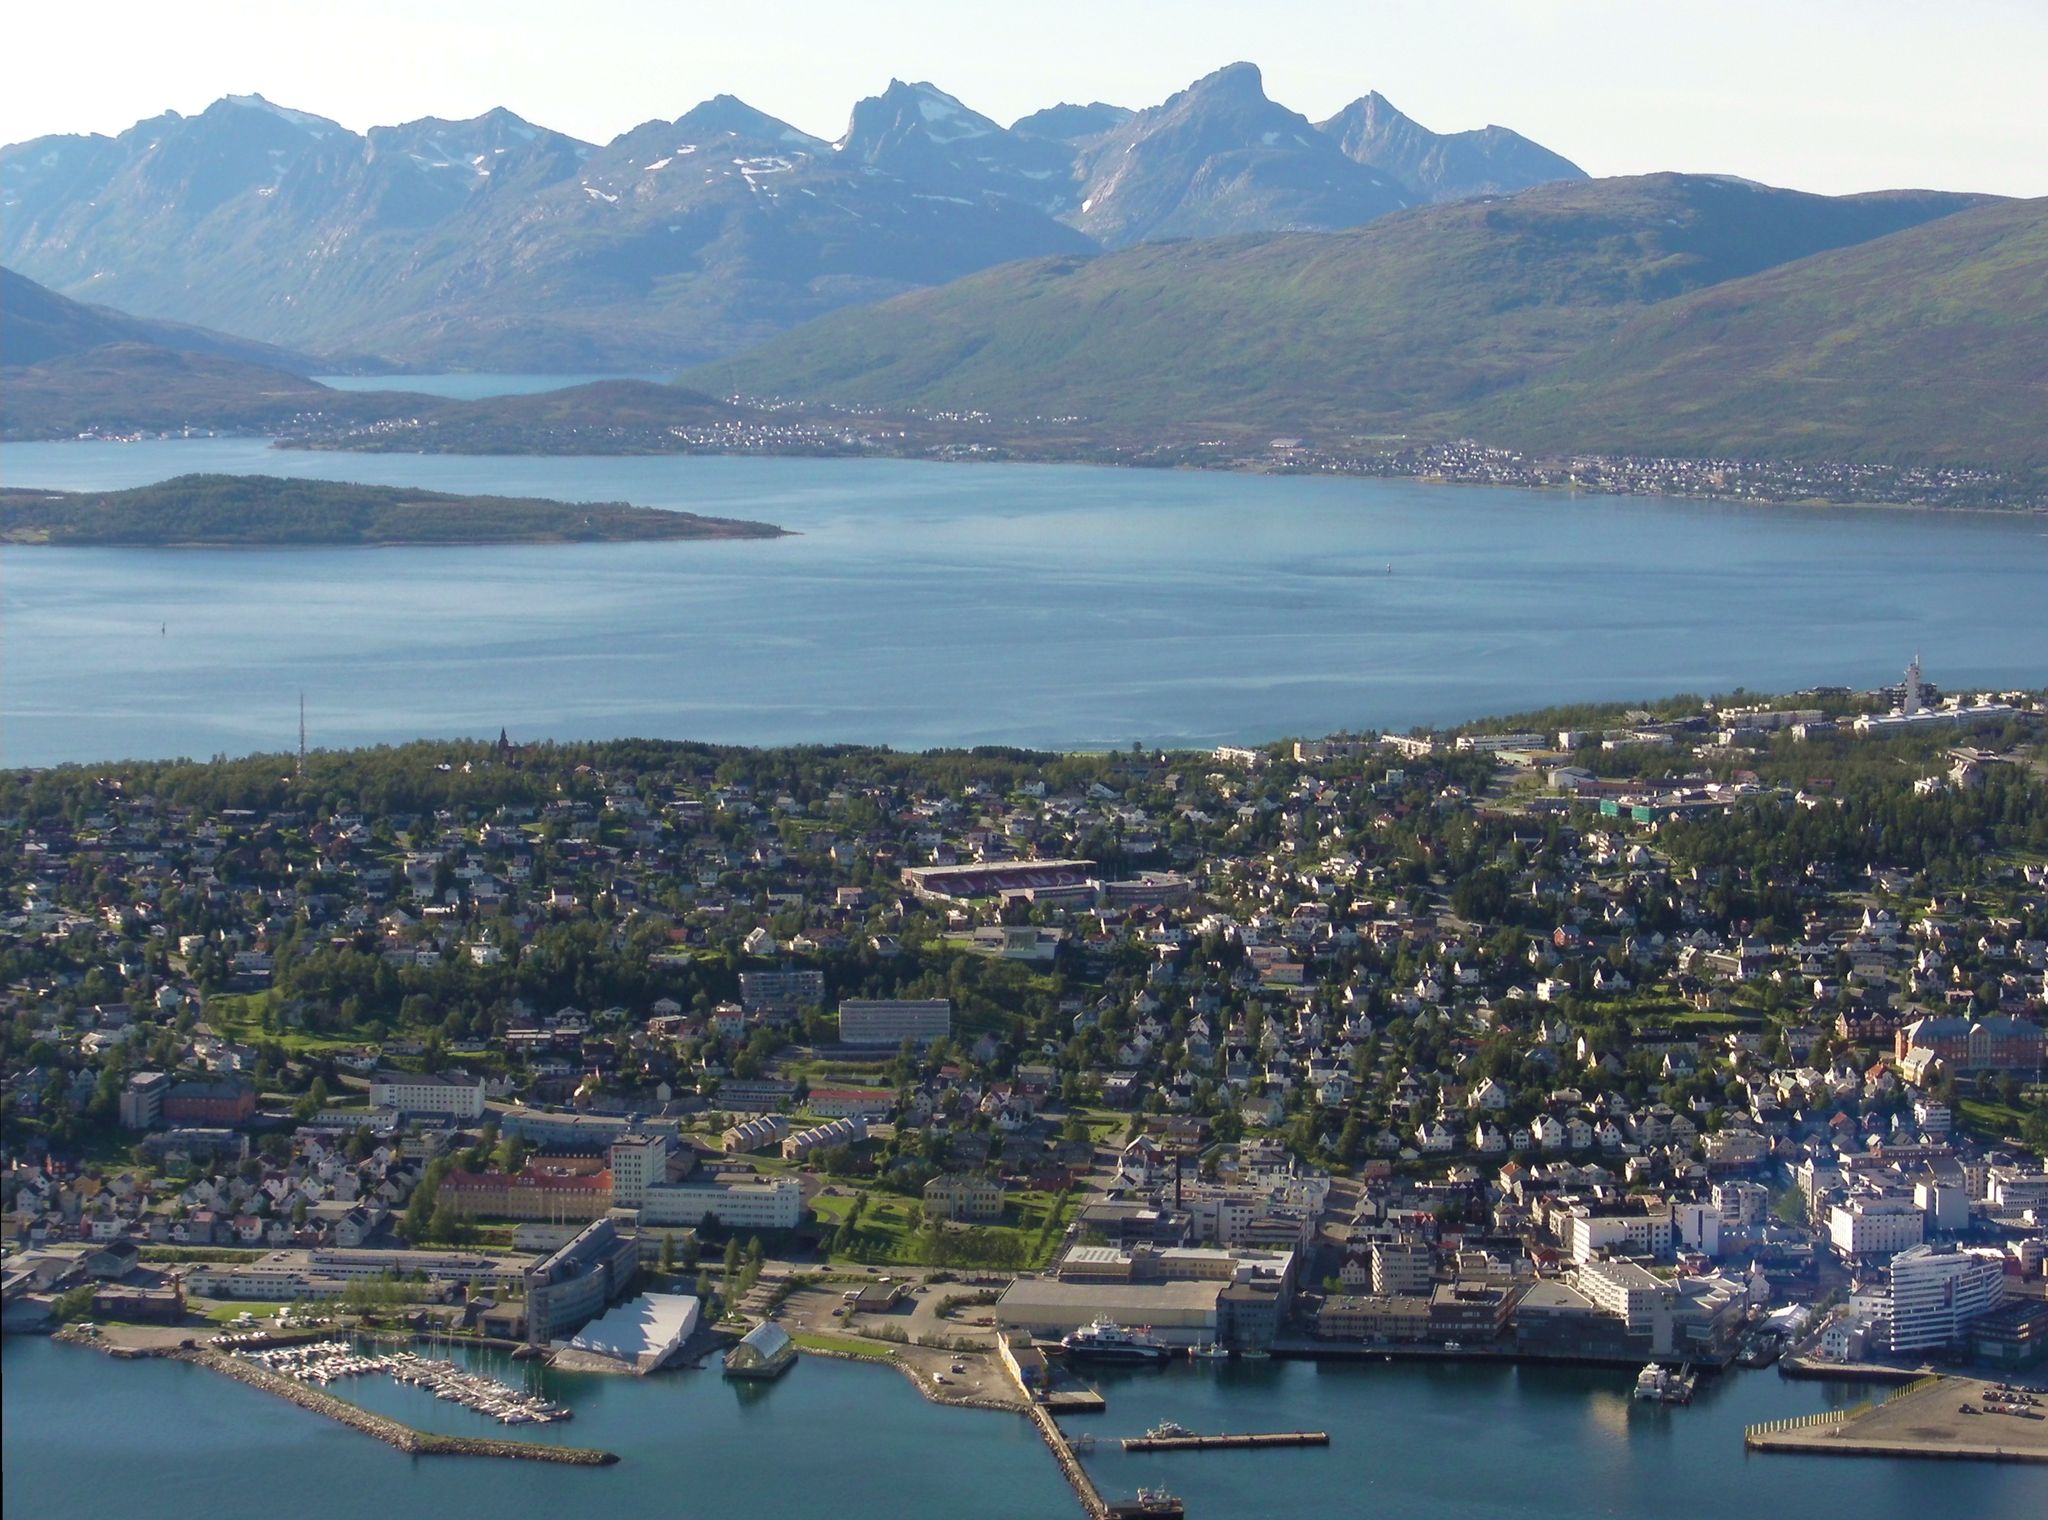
column 643, row 1332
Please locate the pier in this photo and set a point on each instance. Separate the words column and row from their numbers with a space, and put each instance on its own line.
column 1253, row 1440
column 1092, row 1502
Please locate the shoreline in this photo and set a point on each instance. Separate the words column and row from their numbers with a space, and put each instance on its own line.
column 283, row 444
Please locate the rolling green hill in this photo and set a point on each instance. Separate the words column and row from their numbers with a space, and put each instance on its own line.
column 1420, row 323
column 1928, row 346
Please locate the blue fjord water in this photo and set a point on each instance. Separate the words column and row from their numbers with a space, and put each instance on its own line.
column 927, row 604
column 87, row 1437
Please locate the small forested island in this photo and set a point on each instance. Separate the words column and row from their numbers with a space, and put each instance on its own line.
column 251, row 511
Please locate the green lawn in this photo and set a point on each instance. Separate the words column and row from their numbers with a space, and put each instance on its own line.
column 1988, row 1119
column 886, row 1236
column 808, row 1341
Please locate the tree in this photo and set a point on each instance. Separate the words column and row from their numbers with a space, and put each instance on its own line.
column 668, row 1255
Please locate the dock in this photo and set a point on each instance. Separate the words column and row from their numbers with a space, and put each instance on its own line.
column 1936, row 1418
column 1251, row 1440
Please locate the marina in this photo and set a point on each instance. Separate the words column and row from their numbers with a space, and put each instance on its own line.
column 322, row 1362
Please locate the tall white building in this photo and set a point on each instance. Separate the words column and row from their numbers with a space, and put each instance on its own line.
column 891, row 1021
column 1873, row 1225
column 638, row 1163
column 1936, row 1291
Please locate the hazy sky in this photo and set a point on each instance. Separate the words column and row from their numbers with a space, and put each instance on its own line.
column 1830, row 95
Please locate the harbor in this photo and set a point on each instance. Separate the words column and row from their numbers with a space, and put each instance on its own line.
column 180, row 1423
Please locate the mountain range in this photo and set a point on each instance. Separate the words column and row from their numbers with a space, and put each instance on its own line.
column 496, row 243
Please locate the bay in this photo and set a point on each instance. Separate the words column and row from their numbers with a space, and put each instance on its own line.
column 929, row 604
column 1453, row 1442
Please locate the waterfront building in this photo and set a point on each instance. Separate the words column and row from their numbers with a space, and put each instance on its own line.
column 1642, row 1300
column 411, row 1092
column 1401, row 1267
column 2012, row 1335
column 641, row 1333
column 766, row 1351
column 888, row 1022
column 1178, row 1313
column 572, row 1285
column 1373, row 1317
column 1938, row 1291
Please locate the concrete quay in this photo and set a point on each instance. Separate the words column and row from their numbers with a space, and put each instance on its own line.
column 1939, row 1419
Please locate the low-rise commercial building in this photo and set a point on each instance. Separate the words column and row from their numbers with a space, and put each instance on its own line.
column 428, row 1093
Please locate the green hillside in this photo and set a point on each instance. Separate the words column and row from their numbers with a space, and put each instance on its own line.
column 1927, row 346
column 1403, row 325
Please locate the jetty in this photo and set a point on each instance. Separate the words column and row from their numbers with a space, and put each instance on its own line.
column 1255, row 1439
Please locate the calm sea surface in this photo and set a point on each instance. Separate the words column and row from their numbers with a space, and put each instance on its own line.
column 927, row 604
column 87, row 1437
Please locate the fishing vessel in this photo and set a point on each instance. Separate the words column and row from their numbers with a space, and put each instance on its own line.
column 1105, row 1341
column 1213, row 1351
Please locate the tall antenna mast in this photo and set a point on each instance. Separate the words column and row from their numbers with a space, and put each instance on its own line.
column 299, row 770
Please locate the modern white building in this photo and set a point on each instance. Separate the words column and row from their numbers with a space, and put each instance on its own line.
column 1640, row 1299
column 1937, row 1291
column 891, row 1021
column 412, row 1092
column 1872, row 1226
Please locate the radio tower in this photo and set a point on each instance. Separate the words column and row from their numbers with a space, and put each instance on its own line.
column 299, row 770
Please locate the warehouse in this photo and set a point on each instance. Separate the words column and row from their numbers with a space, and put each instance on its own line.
column 1179, row 1313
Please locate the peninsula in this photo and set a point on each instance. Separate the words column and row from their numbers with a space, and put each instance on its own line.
column 252, row 511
